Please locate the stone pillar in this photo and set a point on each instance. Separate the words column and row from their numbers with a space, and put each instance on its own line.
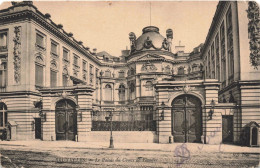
column 164, row 118
column 212, row 126
column 48, row 126
column 84, row 115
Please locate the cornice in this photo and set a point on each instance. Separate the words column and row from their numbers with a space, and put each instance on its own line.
column 222, row 5
column 49, row 25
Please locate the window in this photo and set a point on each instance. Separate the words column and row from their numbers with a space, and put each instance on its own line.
column 132, row 91
column 65, row 77
column 38, row 75
column 213, row 61
column 132, row 71
column 53, row 78
column 3, row 115
column 230, row 53
column 148, row 88
column 209, row 67
column 40, row 40
column 3, row 39
column 121, row 92
column 108, row 93
column 91, row 74
column 65, row 54
column 97, row 70
column 223, row 54
column 217, row 57
column 107, row 73
column 121, row 74
column 75, row 61
column 84, row 66
column 181, row 71
column 3, row 74
column 65, row 80
column 54, row 48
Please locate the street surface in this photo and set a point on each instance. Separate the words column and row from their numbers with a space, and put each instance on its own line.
column 66, row 157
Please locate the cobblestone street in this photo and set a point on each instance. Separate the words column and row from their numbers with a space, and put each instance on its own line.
column 182, row 155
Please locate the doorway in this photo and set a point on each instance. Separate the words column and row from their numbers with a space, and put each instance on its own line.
column 227, row 129
column 66, row 120
column 186, row 119
column 38, row 128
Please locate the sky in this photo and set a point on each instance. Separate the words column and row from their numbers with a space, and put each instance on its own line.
column 106, row 25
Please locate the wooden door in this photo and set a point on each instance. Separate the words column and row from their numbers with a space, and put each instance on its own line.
column 66, row 120
column 187, row 122
column 227, row 129
column 38, row 128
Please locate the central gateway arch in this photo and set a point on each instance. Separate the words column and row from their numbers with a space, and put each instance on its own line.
column 186, row 119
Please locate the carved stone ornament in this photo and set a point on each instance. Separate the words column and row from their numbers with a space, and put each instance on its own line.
column 17, row 54
column 165, row 44
column 254, row 33
column 132, row 38
column 186, row 88
column 149, row 67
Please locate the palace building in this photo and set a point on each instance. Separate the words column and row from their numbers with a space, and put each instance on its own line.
column 52, row 87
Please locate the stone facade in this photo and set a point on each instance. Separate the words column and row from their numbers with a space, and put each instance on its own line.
column 214, row 89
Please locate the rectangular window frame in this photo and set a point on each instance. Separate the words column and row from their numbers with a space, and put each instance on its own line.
column 55, row 53
column 4, row 47
column 68, row 56
column 43, row 45
column 38, row 83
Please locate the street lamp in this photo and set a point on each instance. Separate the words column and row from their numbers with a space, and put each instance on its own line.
column 111, row 145
column 211, row 111
column 162, row 113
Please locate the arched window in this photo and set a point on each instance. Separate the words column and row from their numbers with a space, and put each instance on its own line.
column 3, row 115
column 181, row 70
column 108, row 93
column 132, row 91
column 121, row 92
column 107, row 73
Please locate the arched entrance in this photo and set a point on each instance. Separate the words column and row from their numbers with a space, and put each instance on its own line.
column 186, row 119
column 254, row 136
column 3, row 115
column 65, row 120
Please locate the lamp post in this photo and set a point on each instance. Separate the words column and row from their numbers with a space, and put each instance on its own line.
column 111, row 145
column 162, row 113
column 211, row 112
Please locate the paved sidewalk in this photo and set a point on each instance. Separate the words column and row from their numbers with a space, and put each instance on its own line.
column 192, row 147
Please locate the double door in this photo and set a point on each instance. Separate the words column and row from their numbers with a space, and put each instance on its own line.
column 66, row 122
column 187, row 121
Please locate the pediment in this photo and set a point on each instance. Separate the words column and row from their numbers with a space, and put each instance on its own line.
column 149, row 57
